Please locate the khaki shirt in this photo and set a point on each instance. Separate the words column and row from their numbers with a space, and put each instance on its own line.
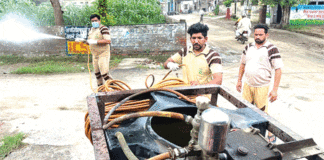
column 198, row 67
column 98, row 34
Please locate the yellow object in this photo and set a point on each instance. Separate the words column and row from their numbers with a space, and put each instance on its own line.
column 77, row 47
column 257, row 96
column 199, row 67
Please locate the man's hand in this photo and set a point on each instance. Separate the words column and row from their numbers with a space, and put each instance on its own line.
column 194, row 83
column 92, row 41
column 239, row 86
column 173, row 66
column 80, row 40
column 273, row 95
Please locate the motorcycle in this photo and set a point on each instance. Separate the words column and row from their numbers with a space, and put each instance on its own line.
column 243, row 37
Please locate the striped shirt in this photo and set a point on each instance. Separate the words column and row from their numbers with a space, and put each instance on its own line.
column 98, row 34
column 259, row 63
column 198, row 67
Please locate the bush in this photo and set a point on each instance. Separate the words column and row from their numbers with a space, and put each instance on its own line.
column 120, row 12
column 134, row 12
column 216, row 11
column 228, row 3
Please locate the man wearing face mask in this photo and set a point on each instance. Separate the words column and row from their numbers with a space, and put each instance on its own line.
column 99, row 40
column 258, row 60
column 202, row 65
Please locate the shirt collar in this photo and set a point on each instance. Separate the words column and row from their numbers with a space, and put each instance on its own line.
column 205, row 51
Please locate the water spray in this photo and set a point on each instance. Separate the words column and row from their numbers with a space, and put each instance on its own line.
column 15, row 28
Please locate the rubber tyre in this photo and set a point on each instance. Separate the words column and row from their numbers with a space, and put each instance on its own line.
column 242, row 41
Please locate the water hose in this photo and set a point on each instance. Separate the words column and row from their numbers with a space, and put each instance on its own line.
column 130, row 106
column 164, row 114
column 152, row 80
column 142, row 92
column 88, row 64
column 162, row 156
column 123, row 144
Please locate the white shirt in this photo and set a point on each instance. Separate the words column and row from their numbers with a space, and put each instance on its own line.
column 244, row 24
column 259, row 62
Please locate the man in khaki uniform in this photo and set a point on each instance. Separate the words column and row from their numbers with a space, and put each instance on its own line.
column 202, row 65
column 99, row 40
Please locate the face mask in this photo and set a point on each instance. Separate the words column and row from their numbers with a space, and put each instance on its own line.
column 95, row 24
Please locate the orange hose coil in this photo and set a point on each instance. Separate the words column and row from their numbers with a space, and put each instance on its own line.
column 131, row 106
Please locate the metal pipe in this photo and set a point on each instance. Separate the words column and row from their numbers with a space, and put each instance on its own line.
column 123, row 144
column 146, row 114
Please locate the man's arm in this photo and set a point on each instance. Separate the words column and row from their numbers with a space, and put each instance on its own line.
column 104, row 41
column 273, row 94
column 217, row 79
column 240, row 76
column 106, row 36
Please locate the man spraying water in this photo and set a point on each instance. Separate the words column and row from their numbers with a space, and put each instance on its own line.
column 99, row 40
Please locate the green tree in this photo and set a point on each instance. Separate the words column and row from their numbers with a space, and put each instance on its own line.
column 227, row 3
column 216, row 11
column 58, row 13
column 285, row 7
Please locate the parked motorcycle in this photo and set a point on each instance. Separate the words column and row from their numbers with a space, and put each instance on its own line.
column 243, row 37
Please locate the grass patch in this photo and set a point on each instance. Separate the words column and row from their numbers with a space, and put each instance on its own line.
column 67, row 64
column 48, row 67
column 296, row 28
column 10, row 143
column 53, row 64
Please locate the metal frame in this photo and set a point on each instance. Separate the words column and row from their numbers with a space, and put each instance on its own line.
column 96, row 109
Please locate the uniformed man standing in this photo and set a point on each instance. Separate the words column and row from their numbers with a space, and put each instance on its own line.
column 99, row 40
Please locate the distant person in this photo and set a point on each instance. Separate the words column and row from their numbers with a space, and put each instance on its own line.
column 201, row 13
column 236, row 23
column 99, row 40
column 202, row 64
column 258, row 60
column 244, row 25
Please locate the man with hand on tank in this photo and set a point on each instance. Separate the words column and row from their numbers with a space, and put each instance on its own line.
column 201, row 64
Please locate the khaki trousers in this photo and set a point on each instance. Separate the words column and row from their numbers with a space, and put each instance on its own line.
column 101, row 66
column 257, row 96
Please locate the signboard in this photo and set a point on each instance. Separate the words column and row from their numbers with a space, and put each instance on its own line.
column 307, row 15
column 72, row 32
column 77, row 48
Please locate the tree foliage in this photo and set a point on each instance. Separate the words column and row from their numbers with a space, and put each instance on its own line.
column 133, row 12
column 228, row 3
column 216, row 11
column 118, row 13
column 285, row 7
column 282, row 3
